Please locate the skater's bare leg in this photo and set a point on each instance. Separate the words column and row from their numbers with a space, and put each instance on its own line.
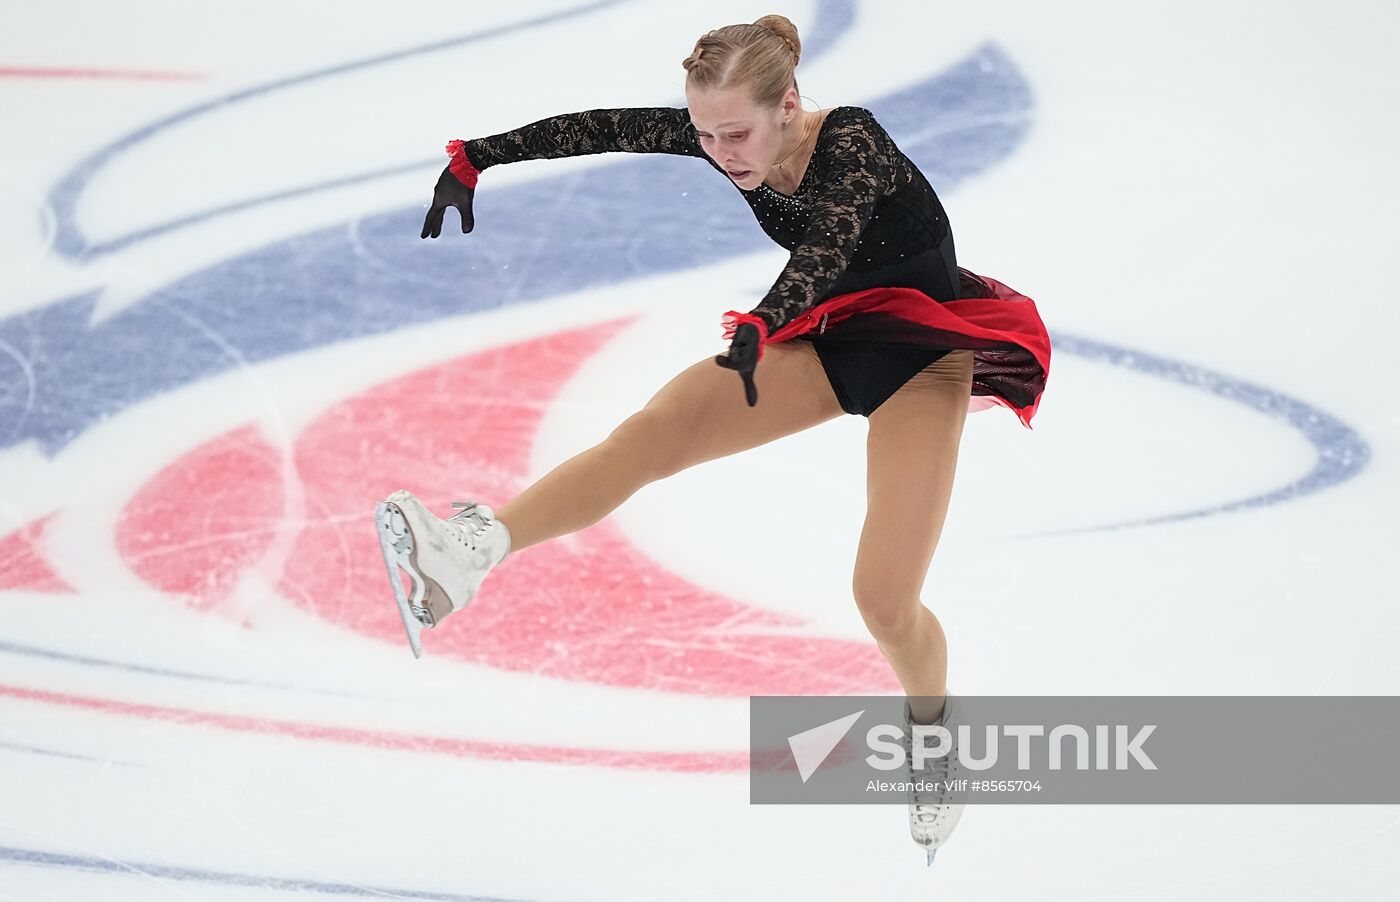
column 699, row 415
column 912, row 453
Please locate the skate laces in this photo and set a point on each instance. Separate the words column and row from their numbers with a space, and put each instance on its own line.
column 469, row 517
column 929, row 803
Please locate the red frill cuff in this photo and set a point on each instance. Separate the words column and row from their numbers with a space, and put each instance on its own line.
column 461, row 165
column 733, row 319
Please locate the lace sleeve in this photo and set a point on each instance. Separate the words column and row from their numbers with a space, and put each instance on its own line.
column 628, row 130
column 859, row 171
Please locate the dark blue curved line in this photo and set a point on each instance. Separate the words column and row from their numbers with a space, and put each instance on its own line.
column 34, row 652
column 947, row 160
column 34, row 750
column 833, row 18
column 116, row 244
column 1341, row 451
column 300, row 293
column 64, row 197
column 226, row 878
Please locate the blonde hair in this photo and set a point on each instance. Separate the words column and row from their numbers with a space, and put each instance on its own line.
column 760, row 57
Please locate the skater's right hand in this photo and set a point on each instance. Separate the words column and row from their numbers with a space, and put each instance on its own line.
column 743, row 357
column 455, row 188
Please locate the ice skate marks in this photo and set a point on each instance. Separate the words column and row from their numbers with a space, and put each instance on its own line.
column 616, row 616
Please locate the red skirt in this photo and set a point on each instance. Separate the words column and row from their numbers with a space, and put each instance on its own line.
column 1000, row 326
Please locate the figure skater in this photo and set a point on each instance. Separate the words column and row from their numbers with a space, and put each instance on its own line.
column 871, row 315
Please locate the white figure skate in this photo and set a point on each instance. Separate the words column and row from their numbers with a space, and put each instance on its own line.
column 932, row 815
column 446, row 560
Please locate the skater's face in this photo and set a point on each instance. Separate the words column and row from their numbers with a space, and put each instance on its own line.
column 741, row 136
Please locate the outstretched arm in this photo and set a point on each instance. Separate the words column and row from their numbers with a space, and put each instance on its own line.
column 626, row 129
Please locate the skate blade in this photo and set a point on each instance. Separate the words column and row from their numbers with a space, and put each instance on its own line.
column 931, row 853
column 396, row 542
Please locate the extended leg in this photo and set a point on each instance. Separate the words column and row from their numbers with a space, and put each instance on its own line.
column 912, row 453
column 699, row 415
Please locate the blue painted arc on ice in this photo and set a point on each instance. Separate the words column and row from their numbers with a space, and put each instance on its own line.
column 660, row 214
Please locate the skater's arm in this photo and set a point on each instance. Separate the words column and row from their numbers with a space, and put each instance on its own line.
column 860, row 172
column 626, row 130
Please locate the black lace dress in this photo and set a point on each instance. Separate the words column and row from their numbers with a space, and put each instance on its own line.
column 872, row 280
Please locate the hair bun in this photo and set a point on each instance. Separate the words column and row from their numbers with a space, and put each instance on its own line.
column 782, row 26
column 746, row 55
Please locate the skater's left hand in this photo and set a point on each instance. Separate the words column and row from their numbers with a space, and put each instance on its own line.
column 743, row 357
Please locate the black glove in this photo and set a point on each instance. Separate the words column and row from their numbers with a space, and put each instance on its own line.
column 449, row 192
column 743, row 356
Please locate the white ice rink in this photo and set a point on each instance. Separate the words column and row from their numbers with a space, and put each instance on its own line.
column 221, row 340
